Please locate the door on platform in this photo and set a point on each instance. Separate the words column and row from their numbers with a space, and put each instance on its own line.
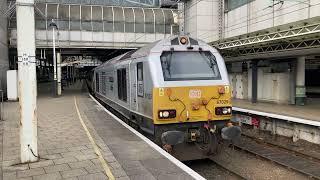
column 137, row 85
column 133, row 79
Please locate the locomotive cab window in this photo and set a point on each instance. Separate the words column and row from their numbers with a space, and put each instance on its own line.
column 140, row 79
column 122, row 84
column 192, row 65
column 140, row 71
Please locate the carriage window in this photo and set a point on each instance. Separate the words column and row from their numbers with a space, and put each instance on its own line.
column 192, row 65
column 122, row 84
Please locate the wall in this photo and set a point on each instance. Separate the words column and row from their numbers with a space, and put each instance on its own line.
column 286, row 128
column 272, row 87
column 239, row 85
column 202, row 19
column 260, row 14
column 293, row 130
column 4, row 62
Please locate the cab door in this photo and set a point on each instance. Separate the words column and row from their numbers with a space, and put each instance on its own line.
column 133, row 85
column 137, row 85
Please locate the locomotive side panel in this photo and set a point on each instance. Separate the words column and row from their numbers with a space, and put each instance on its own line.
column 112, row 86
column 141, row 94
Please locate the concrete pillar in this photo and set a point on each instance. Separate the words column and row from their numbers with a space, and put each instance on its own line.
column 27, row 80
column 300, row 81
column 4, row 60
column 203, row 19
column 254, row 86
column 55, row 91
column 293, row 72
column 73, row 74
column 59, row 73
column 67, row 78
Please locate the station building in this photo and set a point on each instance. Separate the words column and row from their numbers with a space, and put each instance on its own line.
column 271, row 47
column 90, row 30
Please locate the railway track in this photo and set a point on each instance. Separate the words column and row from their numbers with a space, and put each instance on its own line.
column 294, row 160
column 296, row 152
column 229, row 170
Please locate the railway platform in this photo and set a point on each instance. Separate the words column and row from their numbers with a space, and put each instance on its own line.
column 294, row 122
column 79, row 139
column 308, row 114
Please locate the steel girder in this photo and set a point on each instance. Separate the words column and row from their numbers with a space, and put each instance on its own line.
column 284, row 48
column 299, row 38
column 307, row 29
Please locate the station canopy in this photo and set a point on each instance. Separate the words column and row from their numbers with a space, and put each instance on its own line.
column 124, row 3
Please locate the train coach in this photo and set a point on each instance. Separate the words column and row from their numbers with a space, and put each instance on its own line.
column 175, row 90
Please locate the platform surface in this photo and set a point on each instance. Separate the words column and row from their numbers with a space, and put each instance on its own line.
column 67, row 152
column 311, row 111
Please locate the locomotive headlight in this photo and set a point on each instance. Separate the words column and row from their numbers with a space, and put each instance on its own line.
column 183, row 40
column 167, row 114
column 223, row 110
column 226, row 110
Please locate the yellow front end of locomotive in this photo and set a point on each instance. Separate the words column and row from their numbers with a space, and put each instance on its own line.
column 191, row 104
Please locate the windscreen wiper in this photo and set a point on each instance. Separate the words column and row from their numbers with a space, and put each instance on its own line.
column 169, row 63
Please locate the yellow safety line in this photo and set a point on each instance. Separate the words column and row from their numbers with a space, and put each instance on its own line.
column 95, row 147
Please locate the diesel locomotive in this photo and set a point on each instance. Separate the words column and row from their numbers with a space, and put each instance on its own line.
column 175, row 90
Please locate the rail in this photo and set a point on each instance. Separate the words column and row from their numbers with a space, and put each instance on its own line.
column 287, row 158
column 229, row 170
column 280, row 146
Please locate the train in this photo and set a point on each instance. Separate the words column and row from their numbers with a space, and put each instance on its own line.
column 175, row 91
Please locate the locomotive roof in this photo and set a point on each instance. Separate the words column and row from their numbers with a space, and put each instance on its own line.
column 145, row 50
